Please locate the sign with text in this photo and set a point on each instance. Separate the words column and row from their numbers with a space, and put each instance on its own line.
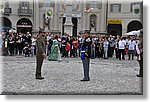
column 114, row 21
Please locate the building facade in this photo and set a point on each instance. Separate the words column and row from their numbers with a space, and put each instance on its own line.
column 17, row 15
column 74, row 17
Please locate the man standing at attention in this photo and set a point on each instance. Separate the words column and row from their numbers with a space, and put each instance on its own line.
column 40, row 54
column 86, row 55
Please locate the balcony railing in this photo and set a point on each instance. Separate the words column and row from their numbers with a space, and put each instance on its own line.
column 24, row 12
column 7, row 10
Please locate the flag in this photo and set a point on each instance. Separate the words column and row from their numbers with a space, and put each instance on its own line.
column 88, row 9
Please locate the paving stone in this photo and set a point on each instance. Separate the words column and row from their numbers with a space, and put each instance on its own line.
column 109, row 76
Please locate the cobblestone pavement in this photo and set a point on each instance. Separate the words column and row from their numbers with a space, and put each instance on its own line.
column 107, row 77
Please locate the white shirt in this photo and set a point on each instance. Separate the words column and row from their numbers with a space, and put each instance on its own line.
column 122, row 44
column 131, row 45
column 105, row 44
column 33, row 41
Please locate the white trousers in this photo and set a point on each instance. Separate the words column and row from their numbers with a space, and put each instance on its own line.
column 105, row 52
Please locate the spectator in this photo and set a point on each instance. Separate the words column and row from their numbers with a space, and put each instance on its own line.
column 105, row 46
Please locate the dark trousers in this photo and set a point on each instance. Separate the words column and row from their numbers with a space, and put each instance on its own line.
column 86, row 65
column 75, row 51
column 97, row 52
column 111, row 51
column 18, row 48
column 63, row 51
column 79, row 51
column 131, row 52
column 39, row 62
column 49, row 49
column 141, row 65
column 67, row 53
column 72, row 52
column 101, row 53
column 116, row 53
column 34, row 49
column 11, row 49
column 121, row 52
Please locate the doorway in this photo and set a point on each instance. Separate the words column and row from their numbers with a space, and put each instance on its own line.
column 75, row 23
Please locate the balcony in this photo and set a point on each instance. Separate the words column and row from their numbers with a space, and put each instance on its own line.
column 7, row 11
column 24, row 12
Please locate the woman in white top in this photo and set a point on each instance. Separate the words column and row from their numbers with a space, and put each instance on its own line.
column 105, row 46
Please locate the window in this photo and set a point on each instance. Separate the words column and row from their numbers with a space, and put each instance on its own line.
column 49, row 3
column 87, row 5
column 24, row 5
column 6, row 4
column 52, row 4
column 92, row 4
column 115, row 8
column 99, row 5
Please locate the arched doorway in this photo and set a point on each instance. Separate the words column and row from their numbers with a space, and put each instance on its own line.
column 134, row 25
column 6, row 24
column 114, row 29
column 75, row 23
column 24, row 25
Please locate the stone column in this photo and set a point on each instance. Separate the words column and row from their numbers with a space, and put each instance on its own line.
column 103, row 27
column 68, row 26
column 78, row 25
column 36, row 16
column 60, row 25
column 98, row 22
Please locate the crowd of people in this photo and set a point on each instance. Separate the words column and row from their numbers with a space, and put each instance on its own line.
column 102, row 46
column 88, row 47
column 85, row 46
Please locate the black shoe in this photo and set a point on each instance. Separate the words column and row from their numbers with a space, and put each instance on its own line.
column 40, row 78
column 85, row 80
column 139, row 75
